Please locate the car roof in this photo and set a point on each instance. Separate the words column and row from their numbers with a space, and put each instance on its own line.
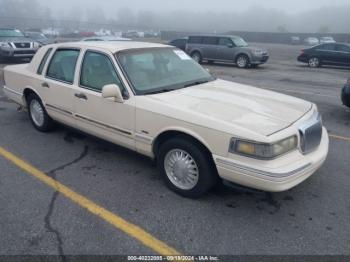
column 336, row 43
column 111, row 46
column 107, row 38
column 8, row 28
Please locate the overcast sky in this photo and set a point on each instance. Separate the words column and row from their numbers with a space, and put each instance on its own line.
column 290, row 6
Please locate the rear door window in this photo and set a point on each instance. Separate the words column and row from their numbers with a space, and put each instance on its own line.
column 62, row 65
column 210, row 40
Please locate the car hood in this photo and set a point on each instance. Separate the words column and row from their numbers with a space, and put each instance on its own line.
column 236, row 106
column 16, row 39
column 45, row 41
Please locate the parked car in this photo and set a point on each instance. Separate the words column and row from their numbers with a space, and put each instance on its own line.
column 326, row 54
column 311, row 41
column 225, row 49
column 156, row 100
column 105, row 38
column 179, row 43
column 345, row 94
column 39, row 37
column 295, row 40
column 13, row 44
column 327, row 40
column 132, row 34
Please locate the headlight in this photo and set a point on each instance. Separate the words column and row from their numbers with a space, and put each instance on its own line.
column 3, row 44
column 36, row 45
column 262, row 150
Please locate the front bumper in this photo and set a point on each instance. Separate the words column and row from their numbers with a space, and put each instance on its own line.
column 17, row 52
column 258, row 60
column 279, row 174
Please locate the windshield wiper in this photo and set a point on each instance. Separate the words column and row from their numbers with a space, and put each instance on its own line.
column 160, row 91
column 196, row 83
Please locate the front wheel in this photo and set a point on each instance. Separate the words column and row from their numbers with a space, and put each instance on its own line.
column 38, row 115
column 242, row 61
column 314, row 62
column 186, row 167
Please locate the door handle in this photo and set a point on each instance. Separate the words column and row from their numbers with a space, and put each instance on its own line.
column 81, row 96
column 45, row 85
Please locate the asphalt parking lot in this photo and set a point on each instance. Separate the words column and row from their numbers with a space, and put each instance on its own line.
column 311, row 219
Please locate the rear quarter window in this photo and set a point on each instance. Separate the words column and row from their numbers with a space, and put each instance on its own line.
column 210, row 40
column 195, row 40
column 343, row 48
column 43, row 61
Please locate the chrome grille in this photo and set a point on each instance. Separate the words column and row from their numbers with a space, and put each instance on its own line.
column 311, row 133
column 22, row 45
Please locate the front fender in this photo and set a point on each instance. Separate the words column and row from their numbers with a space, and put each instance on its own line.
column 184, row 131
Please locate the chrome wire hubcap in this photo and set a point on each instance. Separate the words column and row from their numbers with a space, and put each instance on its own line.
column 181, row 169
column 37, row 113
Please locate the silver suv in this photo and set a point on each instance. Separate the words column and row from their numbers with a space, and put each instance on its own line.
column 225, row 49
column 13, row 44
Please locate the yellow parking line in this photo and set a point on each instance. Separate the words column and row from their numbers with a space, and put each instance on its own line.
column 130, row 229
column 340, row 137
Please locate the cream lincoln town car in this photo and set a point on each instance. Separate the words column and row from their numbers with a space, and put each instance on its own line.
column 156, row 100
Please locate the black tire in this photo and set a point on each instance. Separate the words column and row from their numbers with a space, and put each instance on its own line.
column 47, row 123
column 314, row 62
column 196, row 56
column 345, row 96
column 207, row 174
column 242, row 61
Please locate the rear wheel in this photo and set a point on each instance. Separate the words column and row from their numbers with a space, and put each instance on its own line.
column 242, row 61
column 186, row 167
column 38, row 115
column 314, row 62
column 345, row 96
column 196, row 56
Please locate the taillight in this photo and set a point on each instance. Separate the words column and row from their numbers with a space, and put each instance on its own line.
column 349, row 81
column 302, row 51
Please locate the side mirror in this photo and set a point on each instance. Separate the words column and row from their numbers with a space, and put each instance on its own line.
column 112, row 91
column 229, row 45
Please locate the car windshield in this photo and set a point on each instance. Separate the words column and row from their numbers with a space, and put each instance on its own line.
column 10, row 33
column 239, row 42
column 156, row 70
